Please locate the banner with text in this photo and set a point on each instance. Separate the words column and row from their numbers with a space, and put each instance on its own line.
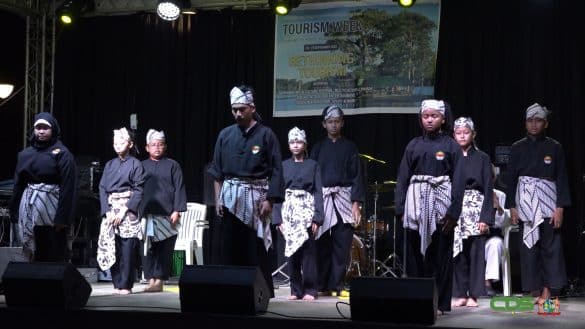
column 366, row 57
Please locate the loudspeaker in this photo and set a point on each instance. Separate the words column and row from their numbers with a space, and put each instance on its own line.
column 395, row 300
column 223, row 289
column 47, row 285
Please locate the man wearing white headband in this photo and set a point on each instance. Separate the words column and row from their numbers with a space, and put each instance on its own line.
column 247, row 169
column 45, row 193
column 538, row 192
column 299, row 216
column 163, row 200
column 343, row 195
column 428, row 199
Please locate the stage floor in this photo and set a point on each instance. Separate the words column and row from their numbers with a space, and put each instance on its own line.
column 283, row 313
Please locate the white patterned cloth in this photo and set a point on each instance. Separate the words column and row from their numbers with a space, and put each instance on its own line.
column 129, row 227
column 427, row 201
column 38, row 207
column 336, row 197
column 298, row 210
column 468, row 222
column 237, row 96
column 536, row 111
column 153, row 134
column 535, row 200
column 242, row 198
column 432, row 104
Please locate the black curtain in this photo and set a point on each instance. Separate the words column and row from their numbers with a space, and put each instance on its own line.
column 494, row 60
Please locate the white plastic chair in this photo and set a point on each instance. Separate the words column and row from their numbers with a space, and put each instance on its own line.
column 506, row 267
column 190, row 237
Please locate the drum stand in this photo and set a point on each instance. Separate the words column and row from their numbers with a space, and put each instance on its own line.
column 378, row 266
column 392, row 257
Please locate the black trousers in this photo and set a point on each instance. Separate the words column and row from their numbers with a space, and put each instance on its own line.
column 469, row 268
column 436, row 263
column 50, row 244
column 543, row 265
column 333, row 255
column 241, row 246
column 303, row 269
column 124, row 269
column 157, row 263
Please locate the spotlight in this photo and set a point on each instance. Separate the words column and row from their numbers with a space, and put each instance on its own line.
column 5, row 90
column 405, row 3
column 169, row 10
column 283, row 7
column 71, row 10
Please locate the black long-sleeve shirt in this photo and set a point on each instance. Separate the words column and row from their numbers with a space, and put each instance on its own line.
column 53, row 164
column 121, row 175
column 306, row 176
column 164, row 189
column 252, row 154
column 432, row 155
column 475, row 171
column 340, row 165
column 540, row 157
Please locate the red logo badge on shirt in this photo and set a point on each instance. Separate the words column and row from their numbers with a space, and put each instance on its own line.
column 547, row 159
column 255, row 149
column 440, row 155
column 56, row 151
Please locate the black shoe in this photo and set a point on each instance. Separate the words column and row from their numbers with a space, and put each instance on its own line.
column 490, row 292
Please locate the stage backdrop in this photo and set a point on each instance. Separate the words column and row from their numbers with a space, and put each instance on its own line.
column 367, row 57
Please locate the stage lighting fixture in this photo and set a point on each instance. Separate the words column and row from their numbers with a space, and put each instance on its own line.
column 71, row 10
column 405, row 3
column 5, row 90
column 283, row 7
column 169, row 10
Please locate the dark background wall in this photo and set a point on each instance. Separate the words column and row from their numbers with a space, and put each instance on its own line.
column 494, row 60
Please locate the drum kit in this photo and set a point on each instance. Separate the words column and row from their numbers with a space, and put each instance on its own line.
column 364, row 258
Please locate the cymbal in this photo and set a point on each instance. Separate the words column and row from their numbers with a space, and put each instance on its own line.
column 390, row 182
column 380, row 188
column 388, row 208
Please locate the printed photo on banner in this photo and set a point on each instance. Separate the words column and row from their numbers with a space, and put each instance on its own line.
column 367, row 56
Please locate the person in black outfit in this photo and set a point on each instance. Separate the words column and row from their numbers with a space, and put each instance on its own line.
column 45, row 193
column 247, row 169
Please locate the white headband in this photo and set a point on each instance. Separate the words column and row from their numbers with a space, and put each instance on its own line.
column 296, row 134
column 155, row 135
column 122, row 133
column 536, row 111
column 237, row 96
column 42, row 121
column 432, row 104
column 332, row 111
column 464, row 122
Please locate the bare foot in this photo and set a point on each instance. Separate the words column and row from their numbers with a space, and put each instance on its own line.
column 459, row 302
column 157, row 286
column 292, row 297
column 308, row 297
column 472, row 302
column 116, row 291
column 125, row 291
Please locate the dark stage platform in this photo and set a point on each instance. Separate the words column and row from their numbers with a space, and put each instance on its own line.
column 162, row 310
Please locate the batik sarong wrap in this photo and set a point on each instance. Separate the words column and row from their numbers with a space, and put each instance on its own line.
column 535, row 200
column 243, row 198
column 298, row 210
column 336, row 198
column 129, row 227
column 38, row 207
column 427, row 201
column 468, row 222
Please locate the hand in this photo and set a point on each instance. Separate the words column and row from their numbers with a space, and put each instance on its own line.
column 279, row 228
column 513, row 216
column 402, row 218
column 483, row 228
column 356, row 213
column 60, row 227
column 265, row 208
column 120, row 216
column 557, row 218
column 219, row 210
column 314, row 228
column 448, row 224
column 175, row 218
